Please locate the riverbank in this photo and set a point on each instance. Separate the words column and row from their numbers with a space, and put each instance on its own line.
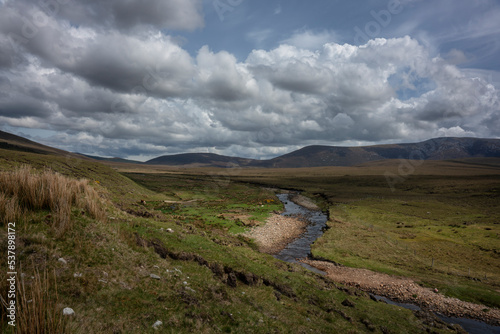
column 277, row 233
column 405, row 290
column 304, row 201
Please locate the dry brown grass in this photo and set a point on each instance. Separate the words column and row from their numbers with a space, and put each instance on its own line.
column 37, row 310
column 24, row 190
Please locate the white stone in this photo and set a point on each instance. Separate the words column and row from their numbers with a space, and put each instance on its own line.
column 157, row 324
column 68, row 311
column 63, row 261
column 153, row 276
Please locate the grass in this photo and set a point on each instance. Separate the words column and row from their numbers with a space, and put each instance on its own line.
column 211, row 279
column 440, row 226
column 225, row 204
column 38, row 311
column 25, row 190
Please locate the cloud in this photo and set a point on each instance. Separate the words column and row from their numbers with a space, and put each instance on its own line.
column 308, row 39
column 220, row 77
column 126, row 14
column 115, row 83
column 455, row 131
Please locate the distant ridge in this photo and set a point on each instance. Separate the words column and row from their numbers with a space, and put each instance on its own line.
column 120, row 160
column 447, row 148
column 201, row 159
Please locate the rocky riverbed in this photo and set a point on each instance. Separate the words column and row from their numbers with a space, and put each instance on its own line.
column 277, row 233
column 405, row 290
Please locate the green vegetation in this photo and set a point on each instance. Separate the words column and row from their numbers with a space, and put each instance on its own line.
column 210, row 200
column 440, row 225
column 179, row 227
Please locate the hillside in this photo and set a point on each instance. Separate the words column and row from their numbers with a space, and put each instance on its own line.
column 320, row 156
column 12, row 142
column 126, row 256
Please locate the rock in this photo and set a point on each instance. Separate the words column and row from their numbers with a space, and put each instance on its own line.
column 68, row 311
column 63, row 261
column 169, row 230
column 157, row 324
column 153, row 276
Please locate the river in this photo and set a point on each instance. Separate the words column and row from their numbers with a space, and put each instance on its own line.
column 301, row 248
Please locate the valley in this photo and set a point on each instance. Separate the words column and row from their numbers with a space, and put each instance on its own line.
column 173, row 245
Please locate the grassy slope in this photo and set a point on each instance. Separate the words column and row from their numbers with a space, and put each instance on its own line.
column 439, row 225
column 211, row 280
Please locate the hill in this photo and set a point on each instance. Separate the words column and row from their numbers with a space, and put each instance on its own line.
column 119, row 160
column 12, row 142
column 321, row 156
column 202, row 160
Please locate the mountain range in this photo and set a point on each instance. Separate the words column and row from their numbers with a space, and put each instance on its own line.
column 317, row 156
column 447, row 148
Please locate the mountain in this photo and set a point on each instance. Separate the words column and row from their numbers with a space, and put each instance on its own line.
column 317, row 156
column 447, row 148
column 119, row 160
column 433, row 149
column 201, row 160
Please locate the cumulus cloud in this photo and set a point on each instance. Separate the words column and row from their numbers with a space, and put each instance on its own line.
column 308, row 39
column 114, row 83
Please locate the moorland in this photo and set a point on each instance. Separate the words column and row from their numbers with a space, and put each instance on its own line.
column 127, row 245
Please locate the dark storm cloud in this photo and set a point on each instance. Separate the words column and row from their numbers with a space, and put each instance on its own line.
column 122, row 14
column 107, row 79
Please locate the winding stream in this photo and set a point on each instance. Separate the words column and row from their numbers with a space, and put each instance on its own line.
column 301, row 248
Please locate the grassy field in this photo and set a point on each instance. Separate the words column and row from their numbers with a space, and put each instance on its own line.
column 180, row 226
column 439, row 224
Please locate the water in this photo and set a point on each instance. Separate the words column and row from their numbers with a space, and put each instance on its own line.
column 301, row 248
column 469, row 325
column 472, row 326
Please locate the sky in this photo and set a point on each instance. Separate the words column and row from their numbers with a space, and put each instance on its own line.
column 139, row 79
